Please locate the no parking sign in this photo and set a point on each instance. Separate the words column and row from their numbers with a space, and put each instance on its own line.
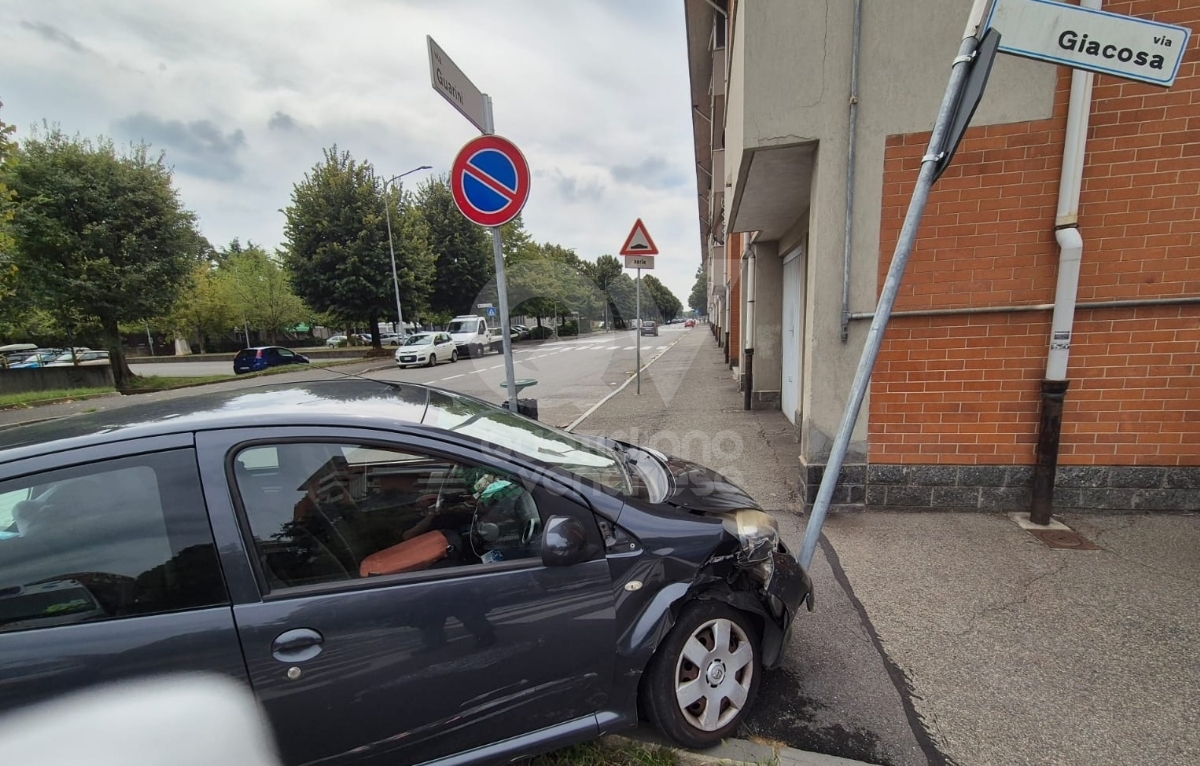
column 490, row 180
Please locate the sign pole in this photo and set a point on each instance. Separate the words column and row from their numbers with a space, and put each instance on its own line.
column 501, row 280
column 887, row 297
column 502, row 290
column 639, row 332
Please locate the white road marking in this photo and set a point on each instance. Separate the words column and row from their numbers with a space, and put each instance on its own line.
column 452, row 377
column 630, row 348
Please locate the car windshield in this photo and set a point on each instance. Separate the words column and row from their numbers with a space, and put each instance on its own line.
column 528, row 438
column 419, row 340
column 464, row 325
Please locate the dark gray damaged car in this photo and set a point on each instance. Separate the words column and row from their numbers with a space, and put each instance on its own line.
column 401, row 574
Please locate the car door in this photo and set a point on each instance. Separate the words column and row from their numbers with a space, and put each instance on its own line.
column 404, row 666
column 446, row 345
column 108, row 571
column 286, row 356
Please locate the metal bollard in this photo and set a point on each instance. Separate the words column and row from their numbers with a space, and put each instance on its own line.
column 526, row 407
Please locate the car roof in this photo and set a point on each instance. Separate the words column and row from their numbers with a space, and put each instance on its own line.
column 328, row 402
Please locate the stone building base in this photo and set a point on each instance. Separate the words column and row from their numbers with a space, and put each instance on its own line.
column 1005, row 488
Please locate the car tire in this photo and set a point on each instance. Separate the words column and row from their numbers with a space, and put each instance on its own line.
column 432, row 361
column 453, row 356
column 691, row 664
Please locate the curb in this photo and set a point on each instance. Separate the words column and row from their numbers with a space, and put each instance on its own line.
column 61, row 400
column 732, row 752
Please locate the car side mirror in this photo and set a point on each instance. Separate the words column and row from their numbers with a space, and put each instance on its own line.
column 564, row 542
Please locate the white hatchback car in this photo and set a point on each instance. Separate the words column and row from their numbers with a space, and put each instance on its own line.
column 427, row 348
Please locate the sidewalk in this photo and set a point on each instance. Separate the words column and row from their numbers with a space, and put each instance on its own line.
column 943, row 637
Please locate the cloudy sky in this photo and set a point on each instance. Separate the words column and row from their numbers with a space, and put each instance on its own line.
column 242, row 95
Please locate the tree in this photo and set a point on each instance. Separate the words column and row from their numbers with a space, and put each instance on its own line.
column 550, row 280
column 462, row 250
column 100, row 236
column 698, row 300
column 337, row 244
column 8, row 267
column 260, row 291
column 664, row 306
column 605, row 273
column 205, row 308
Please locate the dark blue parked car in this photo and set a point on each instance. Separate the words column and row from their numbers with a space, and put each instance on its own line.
column 261, row 357
column 400, row 573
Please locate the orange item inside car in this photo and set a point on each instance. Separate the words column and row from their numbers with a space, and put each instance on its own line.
column 409, row 556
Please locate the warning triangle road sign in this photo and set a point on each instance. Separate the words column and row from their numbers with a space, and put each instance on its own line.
column 638, row 242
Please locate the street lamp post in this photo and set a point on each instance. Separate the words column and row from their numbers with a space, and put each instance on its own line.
column 387, row 210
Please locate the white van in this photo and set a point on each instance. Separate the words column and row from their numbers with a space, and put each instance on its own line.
column 473, row 336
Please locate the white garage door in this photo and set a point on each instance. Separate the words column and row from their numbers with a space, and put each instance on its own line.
column 793, row 332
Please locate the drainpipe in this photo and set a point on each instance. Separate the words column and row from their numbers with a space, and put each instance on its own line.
column 748, row 284
column 728, row 314
column 851, row 139
column 1070, row 252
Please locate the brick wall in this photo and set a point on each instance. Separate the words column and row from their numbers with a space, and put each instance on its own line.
column 965, row 389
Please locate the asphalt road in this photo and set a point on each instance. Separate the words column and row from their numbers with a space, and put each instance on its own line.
column 572, row 374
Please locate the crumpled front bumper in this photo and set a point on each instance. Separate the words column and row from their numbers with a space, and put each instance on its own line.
column 789, row 582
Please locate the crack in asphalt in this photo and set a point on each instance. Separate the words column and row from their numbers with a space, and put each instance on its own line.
column 1026, row 587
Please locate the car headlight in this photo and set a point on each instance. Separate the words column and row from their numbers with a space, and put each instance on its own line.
column 756, row 531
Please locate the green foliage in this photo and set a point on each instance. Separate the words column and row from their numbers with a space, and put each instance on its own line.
column 258, row 289
column 462, row 250
column 541, row 332
column 698, row 300
column 663, row 305
column 337, row 242
column 100, row 236
column 8, row 267
column 205, row 309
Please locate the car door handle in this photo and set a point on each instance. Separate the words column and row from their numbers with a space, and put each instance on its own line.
column 297, row 645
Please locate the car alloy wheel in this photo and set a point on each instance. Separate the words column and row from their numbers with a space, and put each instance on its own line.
column 453, row 356
column 432, row 360
column 704, row 676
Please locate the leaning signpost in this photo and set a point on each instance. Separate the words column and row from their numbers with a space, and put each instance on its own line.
column 1046, row 30
column 489, row 179
column 639, row 252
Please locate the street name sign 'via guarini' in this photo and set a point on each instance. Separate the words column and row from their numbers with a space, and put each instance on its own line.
column 1082, row 38
column 455, row 87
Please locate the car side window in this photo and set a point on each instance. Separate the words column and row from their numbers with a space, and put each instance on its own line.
column 283, row 352
column 110, row 540
column 322, row 512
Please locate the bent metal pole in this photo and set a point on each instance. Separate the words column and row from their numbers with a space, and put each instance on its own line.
column 887, row 297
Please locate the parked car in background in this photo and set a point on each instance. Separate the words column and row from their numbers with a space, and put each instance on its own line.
column 15, row 352
column 336, row 340
column 79, row 358
column 690, row 323
column 35, row 359
column 262, row 357
column 401, row 574
column 427, row 348
column 649, row 328
column 389, row 339
column 474, row 336
column 522, row 331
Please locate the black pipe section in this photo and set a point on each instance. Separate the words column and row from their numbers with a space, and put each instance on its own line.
column 725, row 346
column 1049, row 431
column 748, row 381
